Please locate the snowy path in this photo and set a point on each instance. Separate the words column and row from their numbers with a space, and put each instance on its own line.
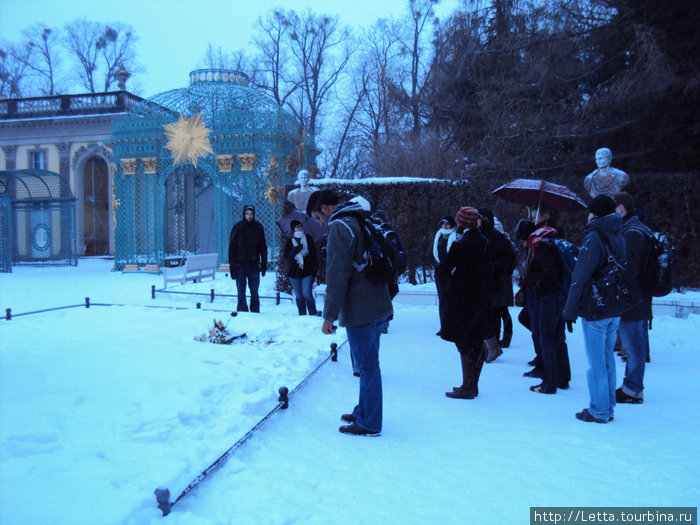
column 451, row 461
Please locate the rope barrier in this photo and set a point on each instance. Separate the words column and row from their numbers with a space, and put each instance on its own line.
column 163, row 493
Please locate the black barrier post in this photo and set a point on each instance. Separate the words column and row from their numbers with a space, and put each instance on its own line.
column 87, row 302
column 284, row 397
column 163, row 499
column 8, row 313
column 199, row 305
column 277, row 299
column 334, row 352
column 211, row 295
column 153, row 291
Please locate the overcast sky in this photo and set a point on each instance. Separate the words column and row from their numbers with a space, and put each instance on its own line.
column 174, row 34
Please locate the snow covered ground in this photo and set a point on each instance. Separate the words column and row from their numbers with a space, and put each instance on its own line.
column 101, row 405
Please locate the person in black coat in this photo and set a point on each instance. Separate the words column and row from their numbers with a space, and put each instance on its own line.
column 634, row 323
column 604, row 228
column 247, row 257
column 465, row 322
column 501, row 254
column 300, row 253
column 442, row 277
column 545, row 301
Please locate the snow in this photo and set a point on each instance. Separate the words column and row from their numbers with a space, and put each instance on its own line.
column 101, row 405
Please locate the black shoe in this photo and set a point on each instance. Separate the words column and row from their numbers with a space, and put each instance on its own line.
column 348, row 418
column 438, row 333
column 540, row 390
column 461, row 393
column 356, row 374
column 532, row 362
column 533, row 373
column 563, row 386
column 586, row 416
column 624, row 397
column 355, row 430
column 505, row 343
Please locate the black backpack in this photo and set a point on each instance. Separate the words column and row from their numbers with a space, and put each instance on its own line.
column 384, row 259
column 568, row 253
column 658, row 271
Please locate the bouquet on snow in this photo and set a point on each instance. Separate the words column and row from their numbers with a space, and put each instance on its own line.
column 219, row 334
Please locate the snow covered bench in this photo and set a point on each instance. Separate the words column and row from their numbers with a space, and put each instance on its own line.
column 195, row 268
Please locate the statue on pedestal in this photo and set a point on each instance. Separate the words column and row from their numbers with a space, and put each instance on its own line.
column 300, row 196
column 606, row 180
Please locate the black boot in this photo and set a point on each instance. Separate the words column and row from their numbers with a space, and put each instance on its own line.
column 467, row 390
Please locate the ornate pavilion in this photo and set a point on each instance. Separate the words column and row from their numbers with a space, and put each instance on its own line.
column 186, row 161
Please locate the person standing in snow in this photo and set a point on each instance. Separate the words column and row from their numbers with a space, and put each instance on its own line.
column 545, row 301
column 634, row 323
column 501, row 254
column 442, row 277
column 604, row 228
column 300, row 252
column 466, row 319
column 359, row 305
column 247, row 257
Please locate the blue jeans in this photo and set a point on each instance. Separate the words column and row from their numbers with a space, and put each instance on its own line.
column 364, row 349
column 303, row 292
column 599, row 339
column 634, row 335
column 251, row 273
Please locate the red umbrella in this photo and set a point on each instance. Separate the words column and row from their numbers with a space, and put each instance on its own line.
column 534, row 192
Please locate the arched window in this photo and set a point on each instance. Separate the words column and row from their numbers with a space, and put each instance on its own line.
column 96, row 207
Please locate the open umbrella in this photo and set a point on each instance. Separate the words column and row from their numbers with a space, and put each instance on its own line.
column 535, row 192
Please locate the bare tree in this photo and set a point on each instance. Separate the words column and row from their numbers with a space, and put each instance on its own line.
column 41, row 56
column 379, row 57
column 100, row 51
column 13, row 66
column 81, row 38
column 321, row 49
column 273, row 44
column 420, row 12
column 116, row 47
column 218, row 58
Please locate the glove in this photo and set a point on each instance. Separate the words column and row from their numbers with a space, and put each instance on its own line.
column 570, row 326
column 262, row 271
column 233, row 269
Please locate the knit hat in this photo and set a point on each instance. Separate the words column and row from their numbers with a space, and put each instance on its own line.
column 601, row 206
column 449, row 219
column 467, row 217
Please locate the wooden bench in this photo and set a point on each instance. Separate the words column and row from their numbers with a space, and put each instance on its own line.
column 195, row 268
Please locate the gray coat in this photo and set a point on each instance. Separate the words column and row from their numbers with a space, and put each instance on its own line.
column 591, row 257
column 350, row 296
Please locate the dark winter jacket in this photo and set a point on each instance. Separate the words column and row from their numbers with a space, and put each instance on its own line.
column 439, row 250
column 247, row 244
column 591, row 257
column 544, row 270
column 350, row 296
column 469, row 294
column 500, row 254
column 638, row 239
column 291, row 249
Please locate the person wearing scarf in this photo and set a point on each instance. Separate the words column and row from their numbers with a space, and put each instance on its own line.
column 545, row 303
column 442, row 277
column 300, row 252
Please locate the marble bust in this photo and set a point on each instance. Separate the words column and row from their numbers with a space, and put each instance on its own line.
column 606, row 180
column 300, row 196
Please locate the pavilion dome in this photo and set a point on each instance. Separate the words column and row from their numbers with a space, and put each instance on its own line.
column 226, row 99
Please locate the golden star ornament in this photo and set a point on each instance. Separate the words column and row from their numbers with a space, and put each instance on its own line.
column 188, row 139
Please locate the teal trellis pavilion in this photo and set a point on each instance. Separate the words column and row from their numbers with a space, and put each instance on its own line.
column 186, row 162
